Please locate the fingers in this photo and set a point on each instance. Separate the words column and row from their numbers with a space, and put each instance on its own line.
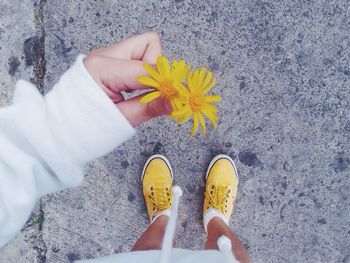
column 115, row 97
column 115, row 74
column 117, row 68
column 137, row 113
column 145, row 47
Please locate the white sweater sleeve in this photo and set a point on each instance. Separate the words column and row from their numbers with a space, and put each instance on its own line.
column 46, row 141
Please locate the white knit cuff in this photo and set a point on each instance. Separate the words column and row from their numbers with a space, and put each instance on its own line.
column 87, row 123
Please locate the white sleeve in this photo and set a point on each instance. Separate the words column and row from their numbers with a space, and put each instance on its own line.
column 45, row 142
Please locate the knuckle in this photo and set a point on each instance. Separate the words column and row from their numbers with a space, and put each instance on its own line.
column 92, row 63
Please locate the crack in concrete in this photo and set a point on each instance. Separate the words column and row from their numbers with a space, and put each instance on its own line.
column 39, row 70
column 39, row 50
column 40, row 245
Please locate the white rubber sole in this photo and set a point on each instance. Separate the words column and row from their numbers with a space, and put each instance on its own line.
column 155, row 156
column 218, row 157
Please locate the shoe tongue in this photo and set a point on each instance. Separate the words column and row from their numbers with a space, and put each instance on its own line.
column 160, row 185
column 217, row 194
column 161, row 197
column 216, row 187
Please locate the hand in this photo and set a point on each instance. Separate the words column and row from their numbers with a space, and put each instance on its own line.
column 116, row 69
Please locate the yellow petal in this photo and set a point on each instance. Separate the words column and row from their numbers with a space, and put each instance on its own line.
column 195, row 79
column 148, row 82
column 202, row 122
column 212, row 98
column 207, row 79
column 178, row 70
column 210, row 107
column 149, row 97
column 209, row 86
column 180, row 112
column 190, row 81
column 185, row 118
column 175, row 63
column 154, row 74
column 187, row 69
column 181, row 65
column 181, row 89
column 173, row 70
column 181, row 71
column 163, row 67
column 201, row 76
column 171, row 116
column 176, row 104
column 195, row 124
column 211, row 116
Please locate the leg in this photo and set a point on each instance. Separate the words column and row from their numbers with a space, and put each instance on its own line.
column 152, row 238
column 217, row 228
column 157, row 181
column 219, row 198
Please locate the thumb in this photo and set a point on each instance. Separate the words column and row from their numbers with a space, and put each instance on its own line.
column 137, row 113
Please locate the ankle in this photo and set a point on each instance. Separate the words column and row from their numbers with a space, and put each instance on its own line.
column 161, row 220
column 216, row 226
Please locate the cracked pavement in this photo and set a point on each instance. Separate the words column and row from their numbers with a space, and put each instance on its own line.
column 283, row 70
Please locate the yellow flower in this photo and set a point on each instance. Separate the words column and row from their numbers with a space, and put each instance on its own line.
column 166, row 80
column 195, row 101
column 187, row 100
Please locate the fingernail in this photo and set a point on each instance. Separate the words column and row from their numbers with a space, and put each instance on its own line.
column 168, row 107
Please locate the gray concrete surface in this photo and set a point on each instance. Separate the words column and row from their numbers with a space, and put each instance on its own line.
column 20, row 56
column 16, row 26
column 283, row 70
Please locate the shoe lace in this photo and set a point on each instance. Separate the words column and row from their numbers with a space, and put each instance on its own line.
column 161, row 197
column 217, row 196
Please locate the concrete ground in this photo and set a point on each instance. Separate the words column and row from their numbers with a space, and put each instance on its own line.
column 283, row 70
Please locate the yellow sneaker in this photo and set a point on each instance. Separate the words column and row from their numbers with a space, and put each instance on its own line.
column 220, row 190
column 157, row 181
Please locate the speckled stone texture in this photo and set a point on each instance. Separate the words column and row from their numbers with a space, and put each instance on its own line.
column 20, row 52
column 283, row 70
column 16, row 26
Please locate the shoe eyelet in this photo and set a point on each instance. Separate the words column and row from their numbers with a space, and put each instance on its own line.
column 166, row 188
column 168, row 194
column 212, row 187
column 229, row 191
column 151, row 188
column 211, row 192
column 152, row 193
column 154, row 204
